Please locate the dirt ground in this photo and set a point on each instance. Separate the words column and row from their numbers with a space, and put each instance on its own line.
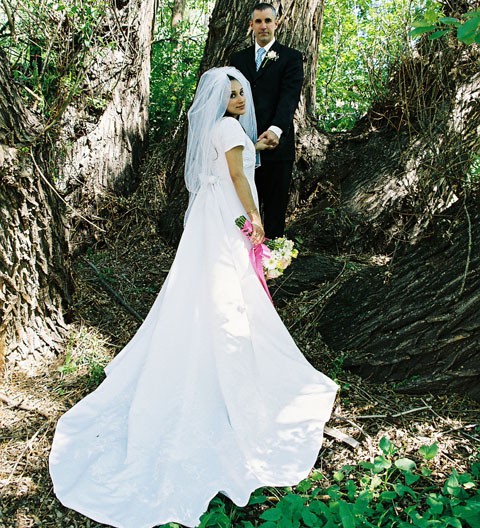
column 133, row 262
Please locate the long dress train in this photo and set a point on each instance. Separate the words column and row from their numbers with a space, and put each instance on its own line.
column 210, row 395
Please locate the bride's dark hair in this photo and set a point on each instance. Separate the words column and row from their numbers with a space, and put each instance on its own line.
column 227, row 113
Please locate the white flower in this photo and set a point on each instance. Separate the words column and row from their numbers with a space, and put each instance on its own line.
column 271, row 55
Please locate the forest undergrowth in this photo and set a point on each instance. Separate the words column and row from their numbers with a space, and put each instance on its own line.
column 416, row 460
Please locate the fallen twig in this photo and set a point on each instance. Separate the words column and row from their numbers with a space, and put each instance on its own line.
column 396, row 415
column 339, row 435
column 113, row 293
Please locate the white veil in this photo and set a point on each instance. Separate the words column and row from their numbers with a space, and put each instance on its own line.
column 208, row 107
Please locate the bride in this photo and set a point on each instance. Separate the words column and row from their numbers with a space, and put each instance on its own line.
column 211, row 394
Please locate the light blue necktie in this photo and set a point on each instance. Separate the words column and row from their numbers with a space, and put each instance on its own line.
column 260, row 53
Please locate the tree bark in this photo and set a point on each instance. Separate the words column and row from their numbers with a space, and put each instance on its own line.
column 82, row 155
column 107, row 148
column 416, row 321
column 178, row 12
column 34, row 275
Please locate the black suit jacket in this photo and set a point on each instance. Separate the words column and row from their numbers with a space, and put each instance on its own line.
column 276, row 89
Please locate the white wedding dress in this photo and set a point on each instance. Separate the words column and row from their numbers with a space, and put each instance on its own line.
column 210, row 395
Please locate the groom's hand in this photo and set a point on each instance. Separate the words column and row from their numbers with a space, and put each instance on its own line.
column 271, row 139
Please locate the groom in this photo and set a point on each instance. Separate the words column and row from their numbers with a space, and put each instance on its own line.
column 275, row 73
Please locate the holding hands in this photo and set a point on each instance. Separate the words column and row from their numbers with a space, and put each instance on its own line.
column 269, row 138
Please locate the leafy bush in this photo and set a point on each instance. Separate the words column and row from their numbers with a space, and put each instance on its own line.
column 176, row 55
column 390, row 491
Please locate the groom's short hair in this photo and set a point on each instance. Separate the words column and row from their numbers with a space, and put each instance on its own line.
column 263, row 6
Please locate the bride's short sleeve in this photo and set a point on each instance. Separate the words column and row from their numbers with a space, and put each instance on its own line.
column 231, row 134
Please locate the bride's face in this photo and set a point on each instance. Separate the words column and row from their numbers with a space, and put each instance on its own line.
column 236, row 105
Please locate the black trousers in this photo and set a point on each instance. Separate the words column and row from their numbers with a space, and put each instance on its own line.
column 273, row 180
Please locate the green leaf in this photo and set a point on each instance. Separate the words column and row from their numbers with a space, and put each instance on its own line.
column 257, row 499
column 426, row 472
column 429, row 452
column 405, row 464
column 410, row 478
column 469, row 513
column 471, row 14
column 380, row 464
column 273, row 514
column 422, row 23
column 338, row 476
column 386, row 446
column 310, row 519
column 467, row 32
column 452, row 521
column 402, row 490
column 388, row 495
column 420, row 31
column 451, row 21
column 304, row 486
column 435, row 503
column 438, row 34
column 346, row 515
column 321, row 508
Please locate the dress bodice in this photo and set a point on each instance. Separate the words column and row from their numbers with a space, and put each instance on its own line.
column 227, row 135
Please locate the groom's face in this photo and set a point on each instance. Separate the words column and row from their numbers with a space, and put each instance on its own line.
column 263, row 25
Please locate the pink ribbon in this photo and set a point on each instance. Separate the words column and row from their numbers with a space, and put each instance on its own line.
column 257, row 253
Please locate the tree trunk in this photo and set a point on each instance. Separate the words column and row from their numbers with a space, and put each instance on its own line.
column 108, row 144
column 83, row 153
column 299, row 27
column 34, row 276
column 178, row 11
column 416, row 321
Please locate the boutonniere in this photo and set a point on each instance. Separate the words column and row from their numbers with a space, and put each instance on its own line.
column 271, row 55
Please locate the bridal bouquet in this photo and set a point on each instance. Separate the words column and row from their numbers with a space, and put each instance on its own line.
column 276, row 255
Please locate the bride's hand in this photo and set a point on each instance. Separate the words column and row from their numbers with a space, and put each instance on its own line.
column 262, row 144
column 258, row 234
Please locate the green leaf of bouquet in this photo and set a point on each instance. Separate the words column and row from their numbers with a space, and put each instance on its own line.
column 405, row 464
column 429, row 452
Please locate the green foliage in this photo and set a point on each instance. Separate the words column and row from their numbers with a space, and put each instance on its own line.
column 86, row 353
column 391, row 491
column 434, row 24
column 361, row 40
column 176, row 55
column 49, row 46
